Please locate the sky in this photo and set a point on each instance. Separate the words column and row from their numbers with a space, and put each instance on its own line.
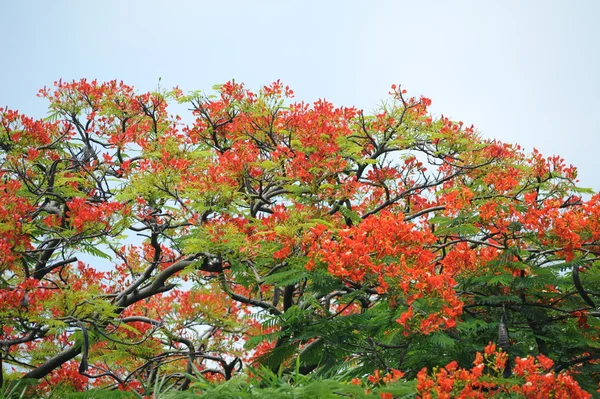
column 524, row 72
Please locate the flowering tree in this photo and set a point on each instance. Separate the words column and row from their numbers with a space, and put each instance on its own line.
column 303, row 238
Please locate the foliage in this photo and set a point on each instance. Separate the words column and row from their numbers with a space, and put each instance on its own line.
column 334, row 251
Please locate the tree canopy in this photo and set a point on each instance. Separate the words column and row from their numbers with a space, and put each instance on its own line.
column 256, row 237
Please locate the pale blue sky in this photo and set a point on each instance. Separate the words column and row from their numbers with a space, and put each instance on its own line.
column 520, row 71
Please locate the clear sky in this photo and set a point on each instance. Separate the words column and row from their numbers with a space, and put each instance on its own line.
column 520, row 71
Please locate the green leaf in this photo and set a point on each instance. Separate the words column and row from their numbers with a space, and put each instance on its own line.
column 442, row 340
column 93, row 250
column 286, row 277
